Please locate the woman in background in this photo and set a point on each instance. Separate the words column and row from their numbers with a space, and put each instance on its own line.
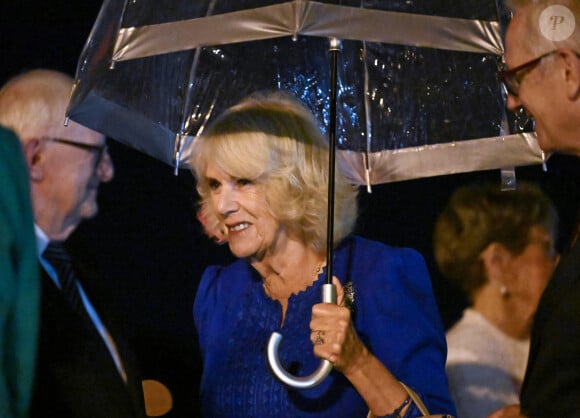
column 499, row 247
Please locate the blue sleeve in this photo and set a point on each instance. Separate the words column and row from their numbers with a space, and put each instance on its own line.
column 397, row 317
column 206, row 301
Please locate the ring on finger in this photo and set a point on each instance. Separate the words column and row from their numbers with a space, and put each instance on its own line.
column 319, row 338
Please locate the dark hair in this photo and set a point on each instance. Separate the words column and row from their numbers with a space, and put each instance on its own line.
column 479, row 215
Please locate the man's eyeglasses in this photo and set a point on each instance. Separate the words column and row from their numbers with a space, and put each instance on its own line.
column 100, row 150
column 513, row 78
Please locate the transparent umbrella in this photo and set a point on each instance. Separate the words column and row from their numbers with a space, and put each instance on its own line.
column 417, row 93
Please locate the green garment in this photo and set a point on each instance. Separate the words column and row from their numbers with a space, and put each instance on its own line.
column 19, row 281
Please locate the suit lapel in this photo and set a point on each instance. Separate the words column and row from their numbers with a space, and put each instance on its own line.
column 67, row 336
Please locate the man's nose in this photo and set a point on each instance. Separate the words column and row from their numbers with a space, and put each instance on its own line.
column 513, row 102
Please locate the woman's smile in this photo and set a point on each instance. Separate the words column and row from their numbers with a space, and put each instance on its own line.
column 238, row 227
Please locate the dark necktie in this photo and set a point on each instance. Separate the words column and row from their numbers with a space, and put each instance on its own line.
column 58, row 258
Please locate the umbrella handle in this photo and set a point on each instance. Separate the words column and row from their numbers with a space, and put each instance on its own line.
column 302, row 382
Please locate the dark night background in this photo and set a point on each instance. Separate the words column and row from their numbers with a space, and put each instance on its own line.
column 147, row 245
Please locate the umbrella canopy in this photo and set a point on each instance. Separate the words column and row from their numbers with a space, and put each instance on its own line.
column 417, row 92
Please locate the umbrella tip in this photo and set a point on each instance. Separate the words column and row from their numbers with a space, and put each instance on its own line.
column 176, row 163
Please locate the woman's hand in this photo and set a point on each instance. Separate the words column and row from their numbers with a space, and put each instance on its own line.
column 335, row 339
column 333, row 335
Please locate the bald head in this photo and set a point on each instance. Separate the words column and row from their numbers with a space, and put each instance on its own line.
column 545, row 25
column 66, row 163
column 544, row 37
column 34, row 103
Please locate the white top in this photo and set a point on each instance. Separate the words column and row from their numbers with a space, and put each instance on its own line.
column 485, row 366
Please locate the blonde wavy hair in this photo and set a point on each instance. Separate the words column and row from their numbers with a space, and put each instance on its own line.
column 272, row 139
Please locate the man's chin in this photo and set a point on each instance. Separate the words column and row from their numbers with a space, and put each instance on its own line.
column 544, row 141
column 89, row 207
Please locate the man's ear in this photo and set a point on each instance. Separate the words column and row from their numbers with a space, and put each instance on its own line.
column 572, row 73
column 34, row 155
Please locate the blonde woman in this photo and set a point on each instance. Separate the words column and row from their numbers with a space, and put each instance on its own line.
column 261, row 169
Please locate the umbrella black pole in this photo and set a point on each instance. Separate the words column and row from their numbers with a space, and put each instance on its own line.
column 334, row 50
column 328, row 289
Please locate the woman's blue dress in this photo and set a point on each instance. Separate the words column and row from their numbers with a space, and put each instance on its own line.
column 394, row 313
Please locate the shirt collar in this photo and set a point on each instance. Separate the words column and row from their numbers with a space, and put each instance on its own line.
column 42, row 240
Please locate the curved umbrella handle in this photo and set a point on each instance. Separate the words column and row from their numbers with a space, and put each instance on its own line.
column 303, row 382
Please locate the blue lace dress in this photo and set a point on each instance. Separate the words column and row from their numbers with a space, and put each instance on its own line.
column 395, row 316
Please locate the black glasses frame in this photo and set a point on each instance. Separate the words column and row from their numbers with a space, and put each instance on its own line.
column 99, row 149
column 513, row 78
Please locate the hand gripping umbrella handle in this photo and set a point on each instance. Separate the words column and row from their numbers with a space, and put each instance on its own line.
column 302, row 382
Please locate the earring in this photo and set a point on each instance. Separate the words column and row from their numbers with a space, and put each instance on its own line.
column 503, row 290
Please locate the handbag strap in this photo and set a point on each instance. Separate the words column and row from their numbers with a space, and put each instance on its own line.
column 420, row 405
column 416, row 399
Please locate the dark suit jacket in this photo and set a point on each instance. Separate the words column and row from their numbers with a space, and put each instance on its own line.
column 551, row 386
column 76, row 376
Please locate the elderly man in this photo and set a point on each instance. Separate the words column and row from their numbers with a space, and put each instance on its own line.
column 543, row 54
column 83, row 369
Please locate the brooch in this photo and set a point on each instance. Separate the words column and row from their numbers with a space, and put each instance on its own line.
column 349, row 296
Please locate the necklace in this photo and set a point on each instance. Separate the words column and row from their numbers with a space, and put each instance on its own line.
column 296, row 287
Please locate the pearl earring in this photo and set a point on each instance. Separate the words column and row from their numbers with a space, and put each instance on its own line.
column 503, row 290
